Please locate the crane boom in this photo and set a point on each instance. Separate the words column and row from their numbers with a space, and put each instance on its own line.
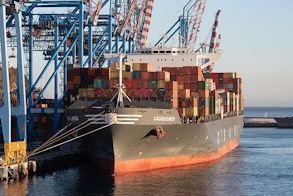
column 147, row 22
column 139, row 20
column 214, row 33
column 196, row 25
column 130, row 11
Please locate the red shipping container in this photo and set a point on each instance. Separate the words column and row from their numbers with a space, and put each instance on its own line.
column 187, row 86
column 195, row 70
column 136, row 93
column 194, row 87
column 98, row 93
column 172, row 71
column 153, row 75
column 129, row 83
column 186, row 70
column 179, row 71
column 105, row 77
column 145, row 93
column 113, row 83
column 172, row 85
column 145, row 84
column 165, row 69
column 184, row 93
column 153, row 93
column 129, row 92
column 203, row 93
column 146, row 67
column 180, row 79
column 106, row 93
column 144, row 75
column 195, row 78
column 136, row 83
column 163, row 75
column 214, row 75
column 187, row 79
column 216, row 80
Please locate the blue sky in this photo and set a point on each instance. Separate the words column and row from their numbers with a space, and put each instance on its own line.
column 256, row 39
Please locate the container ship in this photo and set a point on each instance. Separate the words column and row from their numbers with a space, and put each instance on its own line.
column 169, row 111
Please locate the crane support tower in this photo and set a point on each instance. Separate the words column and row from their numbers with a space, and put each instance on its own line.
column 14, row 151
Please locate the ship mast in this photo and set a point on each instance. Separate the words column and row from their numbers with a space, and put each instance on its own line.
column 120, row 86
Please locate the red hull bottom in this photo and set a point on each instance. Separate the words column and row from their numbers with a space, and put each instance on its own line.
column 164, row 162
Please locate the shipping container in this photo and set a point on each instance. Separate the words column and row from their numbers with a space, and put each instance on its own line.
column 153, row 83
column 163, row 75
column 161, row 84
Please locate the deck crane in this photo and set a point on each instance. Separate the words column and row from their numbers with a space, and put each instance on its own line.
column 94, row 8
column 194, row 25
column 147, row 22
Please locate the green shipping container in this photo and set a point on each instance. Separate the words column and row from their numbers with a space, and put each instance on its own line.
column 203, row 85
column 153, row 83
column 206, row 75
column 98, row 83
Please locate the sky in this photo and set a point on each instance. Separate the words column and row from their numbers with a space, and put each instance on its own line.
column 256, row 40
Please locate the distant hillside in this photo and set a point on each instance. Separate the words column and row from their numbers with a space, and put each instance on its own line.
column 12, row 80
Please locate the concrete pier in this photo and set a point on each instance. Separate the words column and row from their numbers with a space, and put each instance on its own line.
column 281, row 122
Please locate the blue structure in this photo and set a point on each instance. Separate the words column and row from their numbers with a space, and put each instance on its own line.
column 62, row 36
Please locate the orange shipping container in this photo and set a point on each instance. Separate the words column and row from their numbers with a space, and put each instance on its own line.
column 195, row 102
column 70, row 85
column 180, row 86
column 161, row 84
column 225, row 75
column 76, row 79
column 91, row 71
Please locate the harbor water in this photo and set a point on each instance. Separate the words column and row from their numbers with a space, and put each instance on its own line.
column 260, row 165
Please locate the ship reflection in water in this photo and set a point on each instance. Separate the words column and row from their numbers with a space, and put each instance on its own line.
column 214, row 178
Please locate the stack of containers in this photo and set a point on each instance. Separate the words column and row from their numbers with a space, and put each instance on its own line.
column 203, row 93
column 214, row 102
